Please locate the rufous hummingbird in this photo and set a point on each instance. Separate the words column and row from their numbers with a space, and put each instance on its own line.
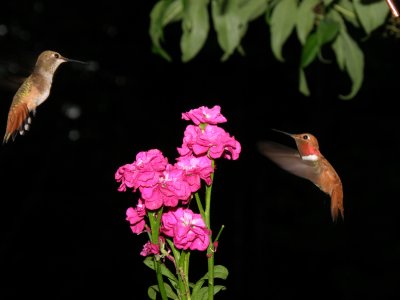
column 33, row 92
column 307, row 162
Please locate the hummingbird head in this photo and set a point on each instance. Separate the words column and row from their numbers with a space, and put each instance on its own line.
column 48, row 61
column 307, row 145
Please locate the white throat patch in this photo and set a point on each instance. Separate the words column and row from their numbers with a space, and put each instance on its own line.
column 311, row 157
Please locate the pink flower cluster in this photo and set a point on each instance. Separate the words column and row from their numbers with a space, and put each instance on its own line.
column 164, row 184
column 187, row 229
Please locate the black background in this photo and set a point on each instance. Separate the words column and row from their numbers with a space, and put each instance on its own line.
column 63, row 229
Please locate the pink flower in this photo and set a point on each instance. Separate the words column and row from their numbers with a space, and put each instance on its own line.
column 204, row 114
column 212, row 141
column 135, row 216
column 144, row 171
column 187, row 229
column 195, row 168
column 171, row 188
column 149, row 248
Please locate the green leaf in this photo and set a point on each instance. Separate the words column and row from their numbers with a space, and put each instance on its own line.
column 163, row 13
column 337, row 45
column 371, row 15
column 195, row 26
column 282, row 22
column 346, row 9
column 228, row 25
column 203, row 293
column 354, row 63
column 305, row 19
column 196, row 289
column 327, row 31
column 251, row 10
column 309, row 51
column 339, row 48
column 153, row 290
column 149, row 261
column 303, row 86
column 219, row 272
column 327, row 2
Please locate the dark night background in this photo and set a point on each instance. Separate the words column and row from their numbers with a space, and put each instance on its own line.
column 63, row 229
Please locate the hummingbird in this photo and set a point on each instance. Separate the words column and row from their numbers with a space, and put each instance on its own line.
column 307, row 162
column 33, row 91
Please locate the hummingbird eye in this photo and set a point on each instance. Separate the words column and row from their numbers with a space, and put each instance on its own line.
column 56, row 55
column 305, row 137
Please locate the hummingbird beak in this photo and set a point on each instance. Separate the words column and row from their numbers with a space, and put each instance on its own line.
column 76, row 61
column 291, row 135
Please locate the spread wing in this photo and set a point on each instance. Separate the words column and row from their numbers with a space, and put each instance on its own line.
column 289, row 159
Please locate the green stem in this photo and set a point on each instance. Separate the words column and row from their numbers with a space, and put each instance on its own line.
column 199, row 205
column 210, row 249
column 184, row 269
column 210, row 255
column 208, row 204
column 219, row 233
column 155, row 221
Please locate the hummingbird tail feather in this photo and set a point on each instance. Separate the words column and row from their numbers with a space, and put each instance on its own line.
column 337, row 202
column 18, row 121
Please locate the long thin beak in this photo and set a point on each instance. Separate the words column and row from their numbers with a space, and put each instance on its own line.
column 76, row 61
column 286, row 133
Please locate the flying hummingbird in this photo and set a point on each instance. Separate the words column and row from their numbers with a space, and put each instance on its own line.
column 307, row 162
column 33, row 92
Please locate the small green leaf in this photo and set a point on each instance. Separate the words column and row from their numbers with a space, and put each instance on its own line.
column 371, row 15
column 195, row 26
column 346, row 9
column 173, row 13
column 220, row 272
column 251, row 10
column 338, row 48
column 153, row 290
column 349, row 56
column 283, row 20
column 327, row 2
column 327, row 31
column 337, row 45
column 228, row 25
column 305, row 19
column 162, row 13
column 309, row 51
column 149, row 261
column 354, row 62
column 196, row 289
column 303, row 86
column 203, row 293
column 218, row 288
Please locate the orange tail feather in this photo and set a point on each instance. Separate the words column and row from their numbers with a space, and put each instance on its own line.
column 17, row 117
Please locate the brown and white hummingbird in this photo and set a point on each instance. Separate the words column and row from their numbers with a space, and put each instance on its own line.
column 33, row 92
column 307, row 162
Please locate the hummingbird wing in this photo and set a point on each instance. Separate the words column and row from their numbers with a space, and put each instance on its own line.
column 19, row 114
column 289, row 159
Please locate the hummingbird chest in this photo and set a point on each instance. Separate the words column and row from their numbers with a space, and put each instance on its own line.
column 38, row 90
